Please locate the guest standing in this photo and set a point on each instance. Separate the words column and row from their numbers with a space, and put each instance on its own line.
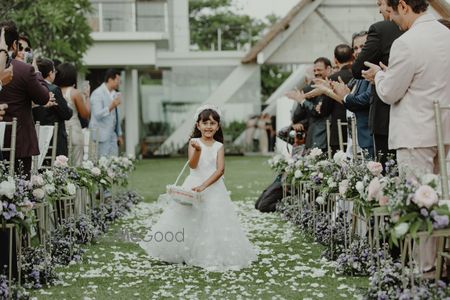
column 66, row 79
column 56, row 111
column 105, row 115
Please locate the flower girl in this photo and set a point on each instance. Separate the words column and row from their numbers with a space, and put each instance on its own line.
column 207, row 234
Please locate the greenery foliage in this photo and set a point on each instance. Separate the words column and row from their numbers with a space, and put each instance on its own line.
column 57, row 29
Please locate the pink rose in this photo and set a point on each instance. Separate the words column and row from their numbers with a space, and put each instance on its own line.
column 425, row 196
column 383, row 201
column 374, row 190
column 375, row 168
column 61, row 161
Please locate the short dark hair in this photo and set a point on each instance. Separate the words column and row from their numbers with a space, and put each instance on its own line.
column 26, row 39
column 418, row 6
column 323, row 60
column 111, row 74
column 445, row 22
column 343, row 53
column 45, row 66
column 357, row 35
column 11, row 34
column 66, row 75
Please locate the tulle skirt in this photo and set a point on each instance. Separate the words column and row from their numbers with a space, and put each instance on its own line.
column 207, row 234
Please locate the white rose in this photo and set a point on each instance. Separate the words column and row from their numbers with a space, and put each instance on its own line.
column 343, row 187
column 49, row 175
column 96, row 171
column 315, row 152
column 425, row 196
column 320, row 200
column 360, row 187
column 49, row 188
column 299, row 163
column 88, row 165
column 8, row 188
column 430, row 179
column 375, row 168
column 61, row 161
column 339, row 157
column 27, row 205
column 71, row 189
column 111, row 174
column 39, row 194
column 401, row 229
column 103, row 162
column 37, row 180
column 298, row 174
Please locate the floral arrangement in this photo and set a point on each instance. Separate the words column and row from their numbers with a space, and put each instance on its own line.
column 17, row 198
column 12, row 292
column 37, row 268
column 387, row 283
column 278, row 163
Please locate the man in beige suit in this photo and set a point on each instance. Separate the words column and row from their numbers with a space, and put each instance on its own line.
column 418, row 75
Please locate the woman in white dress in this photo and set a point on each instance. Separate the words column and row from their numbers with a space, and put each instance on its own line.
column 66, row 79
column 207, row 234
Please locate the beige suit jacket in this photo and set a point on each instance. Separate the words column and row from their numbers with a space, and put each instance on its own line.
column 418, row 75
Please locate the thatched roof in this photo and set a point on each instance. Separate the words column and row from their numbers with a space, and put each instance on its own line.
column 441, row 6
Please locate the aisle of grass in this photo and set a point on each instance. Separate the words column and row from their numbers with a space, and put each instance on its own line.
column 289, row 265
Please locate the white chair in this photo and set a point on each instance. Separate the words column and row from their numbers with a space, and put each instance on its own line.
column 12, row 146
column 45, row 135
column 352, row 124
column 328, row 126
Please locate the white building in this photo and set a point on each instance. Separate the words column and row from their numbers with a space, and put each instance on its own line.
column 163, row 81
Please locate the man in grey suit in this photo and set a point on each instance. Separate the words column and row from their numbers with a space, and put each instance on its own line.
column 105, row 115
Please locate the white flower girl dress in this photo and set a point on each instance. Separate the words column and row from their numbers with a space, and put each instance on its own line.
column 207, row 234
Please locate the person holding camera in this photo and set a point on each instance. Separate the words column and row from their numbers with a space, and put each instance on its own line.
column 26, row 86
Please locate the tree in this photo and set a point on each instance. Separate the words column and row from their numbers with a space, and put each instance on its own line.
column 206, row 17
column 57, row 29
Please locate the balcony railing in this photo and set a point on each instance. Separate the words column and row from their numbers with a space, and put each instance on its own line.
column 122, row 16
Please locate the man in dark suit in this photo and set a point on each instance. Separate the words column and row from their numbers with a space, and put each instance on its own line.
column 343, row 56
column 377, row 48
column 27, row 86
column 56, row 111
column 316, row 123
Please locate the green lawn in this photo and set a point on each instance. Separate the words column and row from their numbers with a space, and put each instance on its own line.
column 289, row 264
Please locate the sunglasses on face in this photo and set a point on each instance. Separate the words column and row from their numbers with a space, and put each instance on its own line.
column 26, row 49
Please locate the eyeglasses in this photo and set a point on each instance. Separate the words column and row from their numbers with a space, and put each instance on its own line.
column 359, row 34
column 26, row 49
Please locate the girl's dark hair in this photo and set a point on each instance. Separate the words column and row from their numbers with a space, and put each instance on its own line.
column 66, row 75
column 204, row 116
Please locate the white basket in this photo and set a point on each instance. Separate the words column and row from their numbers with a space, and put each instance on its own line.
column 182, row 195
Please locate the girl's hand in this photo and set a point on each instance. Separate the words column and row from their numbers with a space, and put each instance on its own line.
column 196, row 145
column 198, row 189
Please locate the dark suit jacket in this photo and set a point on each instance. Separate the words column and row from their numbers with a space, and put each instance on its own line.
column 55, row 114
column 334, row 110
column 376, row 49
column 359, row 103
column 25, row 87
column 312, row 121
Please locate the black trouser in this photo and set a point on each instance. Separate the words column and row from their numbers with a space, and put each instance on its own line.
column 381, row 147
column 22, row 166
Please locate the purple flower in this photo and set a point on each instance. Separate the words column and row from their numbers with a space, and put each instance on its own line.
column 424, row 212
